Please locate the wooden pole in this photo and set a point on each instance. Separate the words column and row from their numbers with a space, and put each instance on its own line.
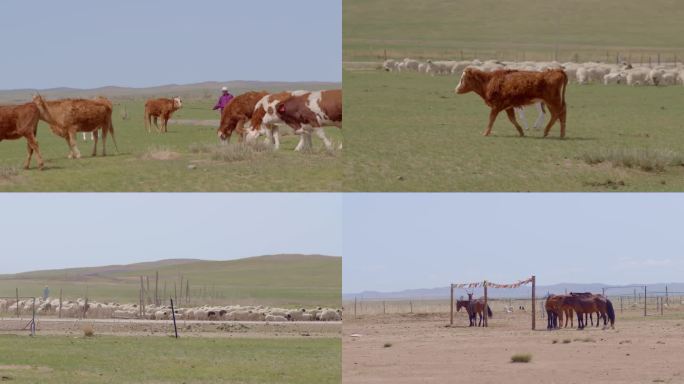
column 17, row 289
column 451, row 312
column 355, row 307
column 156, row 288
column 147, row 293
column 383, row 307
column 411, row 305
column 620, row 304
column 173, row 313
column 661, row 306
column 644, row 301
column 667, row 298
column 534, row 296
column 187, row 291
column 485, row 304
column 142, row 297
column 60, row 303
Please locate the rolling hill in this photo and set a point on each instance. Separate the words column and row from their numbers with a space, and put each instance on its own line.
column 286, row 279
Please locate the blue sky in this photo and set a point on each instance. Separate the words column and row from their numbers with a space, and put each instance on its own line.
column 86, row 44
column 403, row 241
column 46, row 231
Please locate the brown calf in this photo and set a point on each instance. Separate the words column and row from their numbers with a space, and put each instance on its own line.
column 236, row 113
column 164, row 108
column 66, row 117
column 504, row 90
column 18, row 121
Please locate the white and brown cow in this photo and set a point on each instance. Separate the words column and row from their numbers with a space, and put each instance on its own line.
column 503, row 90
column 311, row 112
column 265, row 120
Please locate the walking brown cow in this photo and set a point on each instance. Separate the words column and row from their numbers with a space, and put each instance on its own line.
column 164, row 108
column 66, row 117
column 504, row 90
column 236, row 113
column 18, row 121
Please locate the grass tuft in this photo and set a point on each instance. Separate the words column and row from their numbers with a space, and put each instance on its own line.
column 649, row 160
column 239, row 151
column 521, row 358
column 567, row 341
column 7, row 173
column 160, row 153
column 387, row 345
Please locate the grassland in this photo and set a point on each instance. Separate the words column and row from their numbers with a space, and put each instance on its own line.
column 107, row 359
column 287, row 280
column 138, row 167
column 512, row 30
column 410, row 132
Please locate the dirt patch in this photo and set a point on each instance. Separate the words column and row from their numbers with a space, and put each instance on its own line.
column 160, row 154
column 14, row 367
column 423, row 349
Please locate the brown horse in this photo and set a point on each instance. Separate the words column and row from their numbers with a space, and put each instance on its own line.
column 587, row 303
column 466, row 305
column 554, row 311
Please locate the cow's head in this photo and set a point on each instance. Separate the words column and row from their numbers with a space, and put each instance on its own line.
column 467, row 81
column 177, row 103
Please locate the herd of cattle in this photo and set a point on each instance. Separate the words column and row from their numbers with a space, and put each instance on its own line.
column 580, row 73
column 250, row 115
column 81, row 308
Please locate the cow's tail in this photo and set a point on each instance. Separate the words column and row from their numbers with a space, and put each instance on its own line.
column 565, row 85
column 489, row 311
column 111, row 130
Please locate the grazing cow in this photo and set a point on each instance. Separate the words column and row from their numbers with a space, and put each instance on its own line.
column 66, row 117
column 237, row 113
column 312, row 111
column 265, row 118
column 503, row 90
column 164, row 108
column 21, row 121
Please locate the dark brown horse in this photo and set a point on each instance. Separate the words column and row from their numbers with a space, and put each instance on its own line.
column 587, row 303
column 474, row 308
column 466, row 305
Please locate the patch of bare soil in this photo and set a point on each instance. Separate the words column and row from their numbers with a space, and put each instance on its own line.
column 423, row 349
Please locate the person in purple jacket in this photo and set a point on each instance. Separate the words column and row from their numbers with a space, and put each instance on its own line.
column 225, row 98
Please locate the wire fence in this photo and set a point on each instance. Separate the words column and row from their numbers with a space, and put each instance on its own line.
column 18, row 313
column 654, row 304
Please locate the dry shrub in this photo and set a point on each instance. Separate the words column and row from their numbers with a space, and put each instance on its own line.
column 649, row 160
column 88, row 330
column 521, row 358
column 238, row 151
column 160, row 153
column 567, row 341
column 387, row 345
column 7, row 173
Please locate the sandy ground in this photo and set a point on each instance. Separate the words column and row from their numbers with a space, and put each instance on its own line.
column 246, row 329
column 423, row 349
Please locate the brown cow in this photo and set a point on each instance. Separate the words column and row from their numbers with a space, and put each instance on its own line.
column 311, row 112
column 504, row 90
column 236, row 113
column 266, row 120
column 66, row 117
column 21, row 120
column 164, row 108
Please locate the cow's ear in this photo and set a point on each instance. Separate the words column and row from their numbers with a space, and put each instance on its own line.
column 281, row 108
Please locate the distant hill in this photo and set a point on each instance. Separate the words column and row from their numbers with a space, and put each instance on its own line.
column 286, row 279
column 207, row 89
column 522, row 292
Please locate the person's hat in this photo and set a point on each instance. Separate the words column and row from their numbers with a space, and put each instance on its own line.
column 224, row 88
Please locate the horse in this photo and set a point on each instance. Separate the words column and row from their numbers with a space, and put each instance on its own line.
column 553, row 306
column 587, row 303
column 465, row 304
column 477, row 307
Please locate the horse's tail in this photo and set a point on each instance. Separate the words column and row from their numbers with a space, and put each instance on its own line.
column 611, row 312
column 489, row 311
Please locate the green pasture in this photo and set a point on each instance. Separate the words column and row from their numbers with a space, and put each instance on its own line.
column 122, row 359
column 580, row 30
column 411, row 132
column 287, row 280
column 150, row 162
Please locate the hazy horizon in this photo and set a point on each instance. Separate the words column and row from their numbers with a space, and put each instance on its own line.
column 67, row 230
column 395, row 242
column 82, row 44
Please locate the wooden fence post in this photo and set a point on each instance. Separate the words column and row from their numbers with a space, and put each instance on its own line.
column 451, row 312
column 645, row 301
column 534, row 295
column 173, row 313
column 17, row 289
column 355, row 307
column 60, row 303
column 485, row 304
column 156, row 288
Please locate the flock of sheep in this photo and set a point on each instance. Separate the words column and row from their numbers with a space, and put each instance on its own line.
column 79, row 308
column 580, row 73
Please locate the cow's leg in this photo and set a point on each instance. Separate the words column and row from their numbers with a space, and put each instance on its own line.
column 511, row 117
column 492, row 117
column 155, row 121
column 104, row 140
column 321, row 134
column 32, row 146
column 552, row 121
column 74, row 153
column 275, row 132
column 542, row 114
column 95, row 145
column 521, row 116
column 240, row 130
column 300, row 145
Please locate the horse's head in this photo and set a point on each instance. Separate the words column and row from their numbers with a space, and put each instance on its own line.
column 461, row 304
